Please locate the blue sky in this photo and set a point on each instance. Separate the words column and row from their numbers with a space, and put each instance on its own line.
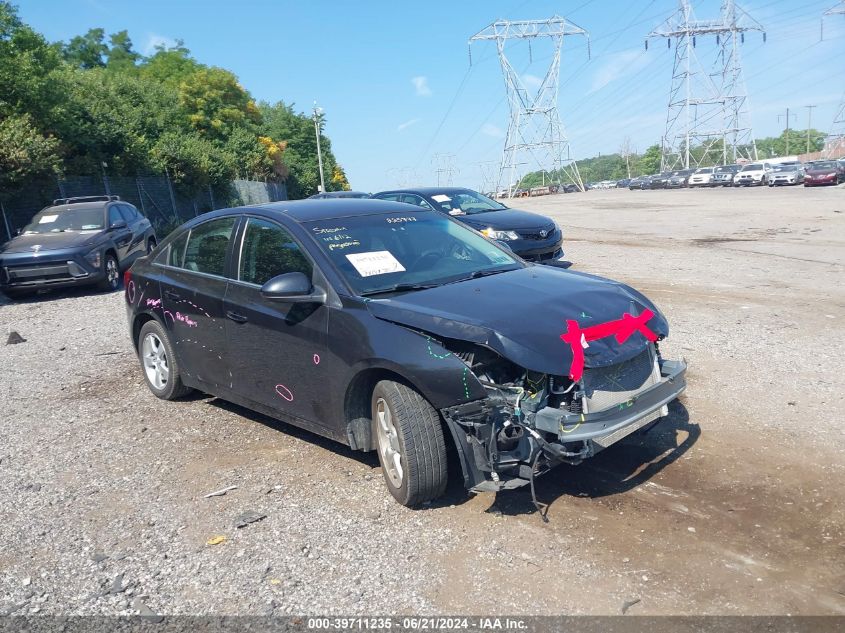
column 397, row 87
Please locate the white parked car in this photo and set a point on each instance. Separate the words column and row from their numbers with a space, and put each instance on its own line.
column 702, row 177
column 753, row 174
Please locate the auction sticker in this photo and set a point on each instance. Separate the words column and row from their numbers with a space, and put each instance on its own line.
column 46, row 219
column 375, row 263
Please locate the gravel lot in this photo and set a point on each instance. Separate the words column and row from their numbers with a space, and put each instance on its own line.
column 734, row 504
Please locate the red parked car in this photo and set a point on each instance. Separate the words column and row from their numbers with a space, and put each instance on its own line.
column 824, row 172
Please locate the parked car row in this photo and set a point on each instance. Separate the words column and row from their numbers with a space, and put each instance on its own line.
column 820, row 172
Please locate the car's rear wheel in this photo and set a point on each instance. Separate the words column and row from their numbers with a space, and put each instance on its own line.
column 159, row 364
column 111, row 273
column 409, row 442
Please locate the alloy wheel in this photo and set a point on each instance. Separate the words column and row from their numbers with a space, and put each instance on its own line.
column 112, row 273
column 155, row 361
column 388, row 443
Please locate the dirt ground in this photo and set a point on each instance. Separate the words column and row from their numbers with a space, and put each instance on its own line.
column 734, row 504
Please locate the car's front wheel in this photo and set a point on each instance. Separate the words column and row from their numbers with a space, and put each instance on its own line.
column 159, row 364
column 410, row 443
column 111, row 273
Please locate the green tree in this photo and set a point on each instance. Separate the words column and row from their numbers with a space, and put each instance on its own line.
column 25, row 153
column 120, row 56
column 649, row 162
column 193, row 161
column 87, row 51
column 170, row 66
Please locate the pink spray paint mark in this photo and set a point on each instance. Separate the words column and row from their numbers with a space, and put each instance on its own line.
column 130, row 291
column 186, row 319
column 168, row 313
column 154, row 303
column 284, row 392
column 316, row 359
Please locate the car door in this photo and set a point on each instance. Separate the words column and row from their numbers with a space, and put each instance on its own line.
column 121, row 234
column 276, row 348
column 137, row 226
column 192, row 295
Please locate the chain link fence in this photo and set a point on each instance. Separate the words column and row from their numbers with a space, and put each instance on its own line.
column 165, row 203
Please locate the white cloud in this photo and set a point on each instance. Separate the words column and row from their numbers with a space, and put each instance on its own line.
column 421, row 86
column 618, row 65
column 407, row 124
column 491, row 130
column 154, row 40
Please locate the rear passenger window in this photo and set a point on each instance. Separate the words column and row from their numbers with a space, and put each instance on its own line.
column 268, row 250
column 207, row 244
column 176, row 251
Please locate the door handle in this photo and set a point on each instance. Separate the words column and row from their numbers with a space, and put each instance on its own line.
column 237, row 318
column 169, row 294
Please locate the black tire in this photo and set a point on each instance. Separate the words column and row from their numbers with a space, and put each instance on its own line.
column 421, row 445
column 111, row 276
column 173, row 388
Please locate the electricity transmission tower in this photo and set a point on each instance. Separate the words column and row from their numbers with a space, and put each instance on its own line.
column 708, row 120
column 444, row 167
column 489, row 173
column 535, row 129
column 834, row 145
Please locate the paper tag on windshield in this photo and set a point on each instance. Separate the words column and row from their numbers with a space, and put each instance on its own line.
column 375, row 263
column 441, row 198
column 46, row 219
column 456, row 212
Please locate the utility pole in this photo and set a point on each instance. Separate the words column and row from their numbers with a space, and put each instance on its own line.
column 834, row 143
column 535, row 129
column 787, row 129
column 706, row 108
column 809, row 124
column 317, row 112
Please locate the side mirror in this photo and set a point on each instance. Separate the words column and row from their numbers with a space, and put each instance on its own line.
column 292, row 288
column 120, row 224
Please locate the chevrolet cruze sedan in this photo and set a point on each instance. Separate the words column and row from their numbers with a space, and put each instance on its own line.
column 532, row 236
column 390, row 328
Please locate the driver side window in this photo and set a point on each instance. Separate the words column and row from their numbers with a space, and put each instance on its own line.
column 114, row 216
column 410, row 198
column 269, row 250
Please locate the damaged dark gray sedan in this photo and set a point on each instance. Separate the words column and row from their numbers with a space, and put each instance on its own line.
column 391, row 328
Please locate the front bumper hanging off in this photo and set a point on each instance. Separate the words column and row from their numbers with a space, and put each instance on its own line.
column 556, row 435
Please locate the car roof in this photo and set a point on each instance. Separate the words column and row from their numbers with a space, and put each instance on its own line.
column 324, row 208
column 427, row 191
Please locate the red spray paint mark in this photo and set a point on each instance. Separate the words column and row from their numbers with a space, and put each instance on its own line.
column 316, row 359
column 622, row 329
column 284, row 392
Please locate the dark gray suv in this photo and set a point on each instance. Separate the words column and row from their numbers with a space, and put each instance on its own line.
column 75, row 241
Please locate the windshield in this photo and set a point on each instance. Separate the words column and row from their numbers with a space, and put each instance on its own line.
column 52, row 220
column 704, row 170
column 398, row 251
column 753, row 167
column 728, row 169
column 465, row 202
column 824, row 165
column 786, row 168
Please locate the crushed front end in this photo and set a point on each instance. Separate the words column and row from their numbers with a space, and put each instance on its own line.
column 530, row 422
